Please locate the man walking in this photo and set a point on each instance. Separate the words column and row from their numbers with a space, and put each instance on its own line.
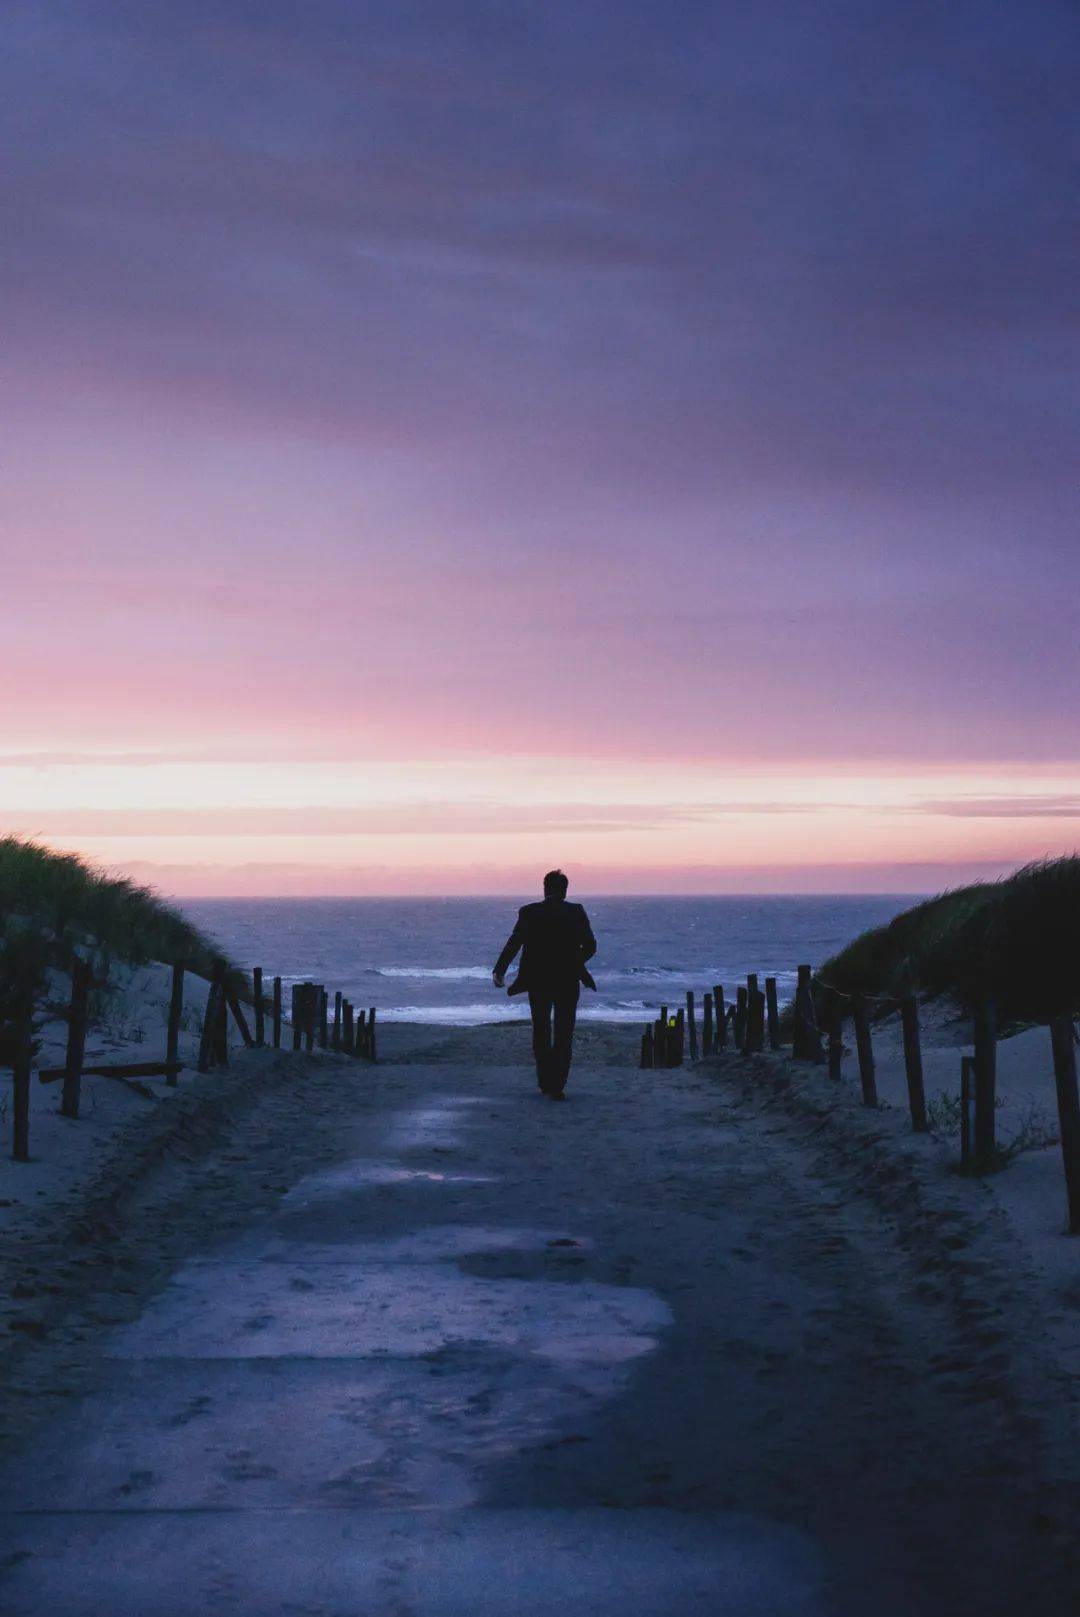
column 555, row 940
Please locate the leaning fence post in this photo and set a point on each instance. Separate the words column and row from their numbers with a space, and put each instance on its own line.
column 913, row 1068
column 772, row 1013
column 20, row 1072
column 81, row 974
column 239, row 1018
column 985, row 1085
column 277, row 1013
column 260, row 1010
column 867, row 1076
column 1063, row 1039
column 176, row 1011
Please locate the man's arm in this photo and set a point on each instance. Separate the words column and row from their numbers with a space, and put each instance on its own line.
column 588, row 942
column 513, row 944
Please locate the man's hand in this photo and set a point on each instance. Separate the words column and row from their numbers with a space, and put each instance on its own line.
column 498, row 979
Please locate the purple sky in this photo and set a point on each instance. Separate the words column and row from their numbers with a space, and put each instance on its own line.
column 639, row 386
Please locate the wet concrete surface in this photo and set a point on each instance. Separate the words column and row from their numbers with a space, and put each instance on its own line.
column 493, row 1356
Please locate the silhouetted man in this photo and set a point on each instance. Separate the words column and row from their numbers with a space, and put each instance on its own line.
column 555, row 940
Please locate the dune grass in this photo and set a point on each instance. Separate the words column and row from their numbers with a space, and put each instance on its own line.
column 1017, row 940
column 54, row 906
column 62, row 901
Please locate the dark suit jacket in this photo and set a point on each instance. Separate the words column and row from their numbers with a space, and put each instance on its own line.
column 555, row 940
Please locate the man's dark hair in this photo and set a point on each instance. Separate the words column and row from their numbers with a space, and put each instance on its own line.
column 555, row 884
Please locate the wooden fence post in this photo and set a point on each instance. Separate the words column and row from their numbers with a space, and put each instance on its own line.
column 772, row 1013
column 81, row 975
column 361, row 1034
column 209, row 1042
column 967, row 1086
column 836, row 1037
column 719, row 1016
column 371, row 1034
column 750, row 1034
column 867, row 1075
column 295, row 1015
column 277, row 1014
column 913, row 1068
column 985, row 1086
column 240, row 1019
column 691, row 1024
column 1064, row 1045
column 741, row 1003
column 206, row 1041
column 260, row 1010
column 309, row 1016
column 755, row 1018
column 176, row 1011
column 647, row 1047
column 335, row 1035
column 706, row 1025
column 221, row 1032
column 20, row 1072
column 807, row 1036
column 323, row 1009
column 348, row 1036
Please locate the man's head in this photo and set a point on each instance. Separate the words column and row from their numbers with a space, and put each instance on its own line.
column 555, row 884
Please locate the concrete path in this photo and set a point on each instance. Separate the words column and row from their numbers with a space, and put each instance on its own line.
column 430, row 1344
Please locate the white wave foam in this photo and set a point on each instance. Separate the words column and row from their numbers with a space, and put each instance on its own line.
column 449, row 974
column 502, row 1010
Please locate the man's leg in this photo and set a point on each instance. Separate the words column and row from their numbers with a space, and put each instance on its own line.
column 566, row 1002
column 540, row 1005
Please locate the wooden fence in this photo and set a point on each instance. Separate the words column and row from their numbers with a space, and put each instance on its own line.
column 817, row 1015
column 351, row 1034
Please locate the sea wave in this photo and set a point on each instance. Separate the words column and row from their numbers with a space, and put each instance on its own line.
column 448, row 974
column 499, row 1011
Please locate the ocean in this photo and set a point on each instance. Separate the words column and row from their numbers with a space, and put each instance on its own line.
column 430, row 960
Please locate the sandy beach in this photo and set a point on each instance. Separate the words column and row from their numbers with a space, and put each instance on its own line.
column 319, row 1337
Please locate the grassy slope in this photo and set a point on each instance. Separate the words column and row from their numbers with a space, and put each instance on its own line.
column 1017, row 939
column 54, row 905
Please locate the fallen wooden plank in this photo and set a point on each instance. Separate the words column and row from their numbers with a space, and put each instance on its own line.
column 117, row 1069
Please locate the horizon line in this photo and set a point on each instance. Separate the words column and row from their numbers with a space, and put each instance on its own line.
column 468, row 898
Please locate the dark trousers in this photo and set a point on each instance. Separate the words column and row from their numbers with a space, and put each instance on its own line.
column 554, row 1012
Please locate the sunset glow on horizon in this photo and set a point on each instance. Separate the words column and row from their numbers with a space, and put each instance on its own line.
column 473, row 824
column 445, row 443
